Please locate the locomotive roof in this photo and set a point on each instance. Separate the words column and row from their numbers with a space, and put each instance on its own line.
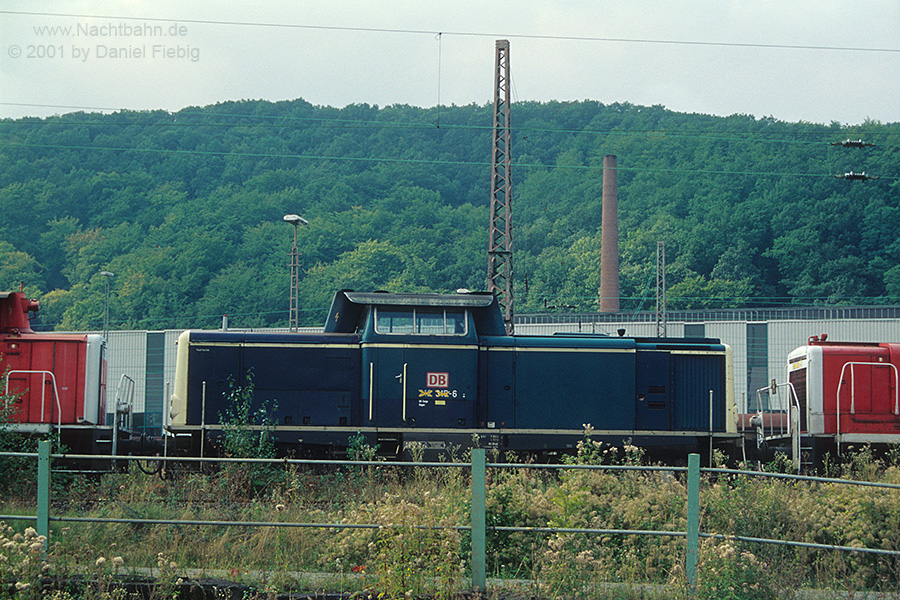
column 469, row 300
column 348, row 307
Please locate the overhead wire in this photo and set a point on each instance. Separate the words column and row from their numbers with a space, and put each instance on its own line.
column 337, row 123
column 383, row 159
column 573, row 38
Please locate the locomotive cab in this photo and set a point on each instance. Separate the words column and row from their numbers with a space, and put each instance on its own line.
column 419, row 356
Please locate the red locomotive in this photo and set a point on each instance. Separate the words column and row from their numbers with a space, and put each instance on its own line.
column 847, row 392
column 58, row 380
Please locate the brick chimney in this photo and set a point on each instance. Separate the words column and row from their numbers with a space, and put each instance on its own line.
column 609, row 240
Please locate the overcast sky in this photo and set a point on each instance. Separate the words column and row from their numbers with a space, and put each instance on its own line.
column 797, row 60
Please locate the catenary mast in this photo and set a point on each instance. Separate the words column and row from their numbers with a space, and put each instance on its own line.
column 500, row 271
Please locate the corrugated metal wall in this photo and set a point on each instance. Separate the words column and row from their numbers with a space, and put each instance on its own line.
column 127, row 355
column 735, row 335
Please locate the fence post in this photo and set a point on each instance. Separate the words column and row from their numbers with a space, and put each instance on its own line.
column 43, row 492
column 693, row 519
column 479, row 580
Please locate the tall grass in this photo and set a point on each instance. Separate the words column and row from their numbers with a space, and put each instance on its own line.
column 417, row 550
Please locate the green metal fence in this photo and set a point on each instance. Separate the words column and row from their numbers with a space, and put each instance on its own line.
column 477, row 527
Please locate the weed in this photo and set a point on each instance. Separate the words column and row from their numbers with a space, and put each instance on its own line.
column 781, row 463
column 359, row 450
column 22, row 564
column 13, row 469
column 247, row 433
column 729, row 573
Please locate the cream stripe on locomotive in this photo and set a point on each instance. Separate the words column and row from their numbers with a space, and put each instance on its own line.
column 504, row 349
column 269, row 345
column 454, row 347
column 421, row 345
column 569, row 349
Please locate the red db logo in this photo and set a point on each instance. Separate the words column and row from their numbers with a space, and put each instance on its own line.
column 437, row 380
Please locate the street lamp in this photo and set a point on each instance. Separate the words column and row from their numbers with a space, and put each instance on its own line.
column 106, row 275
column 296, row 221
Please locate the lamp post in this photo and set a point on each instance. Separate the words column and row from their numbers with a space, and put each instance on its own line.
column 106, row 275
column 296, row 221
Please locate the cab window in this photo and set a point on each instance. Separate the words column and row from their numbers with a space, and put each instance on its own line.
column 420, row 321
column 394, row 321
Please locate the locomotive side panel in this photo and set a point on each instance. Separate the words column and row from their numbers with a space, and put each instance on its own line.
column 95, row 384
column 888, row 403
column 298, row 381
column 384, row 395
column 78, row 368
column 16, row 356
column 653, row 385
column 68, row 359
column 209, row 369
column 497, row 397
column 560, row 387
column 700, row 394
column 441, row 386
column 848, row 388
column 421, row 362
column 304, row 380
column 420, row 385
column 684, row 386
column 799, row 377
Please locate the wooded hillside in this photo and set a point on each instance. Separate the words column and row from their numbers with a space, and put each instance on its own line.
column 186, row 209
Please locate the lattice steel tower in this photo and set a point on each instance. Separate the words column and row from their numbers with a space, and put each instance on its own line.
column 500, row 270
column 660, row 289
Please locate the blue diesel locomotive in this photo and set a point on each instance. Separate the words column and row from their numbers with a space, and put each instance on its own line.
column 440, row 370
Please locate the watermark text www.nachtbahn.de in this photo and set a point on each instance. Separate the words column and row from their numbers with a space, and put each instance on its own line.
column 112, row 29
column 108, row 41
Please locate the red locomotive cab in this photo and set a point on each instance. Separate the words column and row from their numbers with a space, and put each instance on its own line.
column 59, row 379
column 850, row 389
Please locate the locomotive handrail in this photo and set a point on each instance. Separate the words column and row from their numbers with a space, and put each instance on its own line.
column 371, row 388
column 793, row 414
column 43, row 394
column 125, row 387
column 853, row 387
column 837, row 399
column 793, row 402
column 125, row 392
column 403, row 385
